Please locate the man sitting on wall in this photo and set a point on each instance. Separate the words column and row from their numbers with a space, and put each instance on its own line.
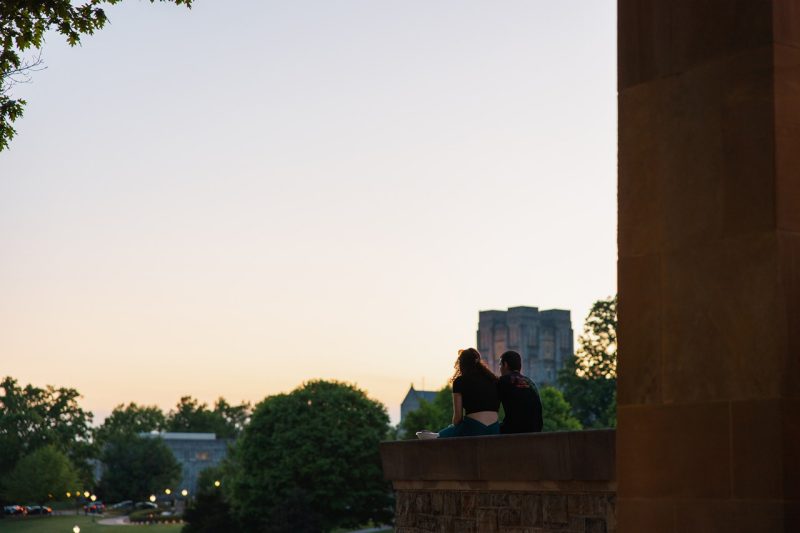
column 519, row 397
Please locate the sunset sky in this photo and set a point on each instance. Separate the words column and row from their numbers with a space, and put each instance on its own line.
column 231, row 200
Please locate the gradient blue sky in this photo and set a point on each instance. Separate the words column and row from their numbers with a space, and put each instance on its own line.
column 237, row 198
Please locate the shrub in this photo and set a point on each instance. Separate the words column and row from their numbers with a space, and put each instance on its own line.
column 309, row 461
column 209, row 512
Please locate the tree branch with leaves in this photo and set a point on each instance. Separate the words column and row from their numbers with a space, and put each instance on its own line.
column 589, row 380
column 23, row 24
column 33, row 417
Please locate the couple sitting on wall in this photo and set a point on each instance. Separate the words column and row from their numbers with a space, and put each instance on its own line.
column 479, row 393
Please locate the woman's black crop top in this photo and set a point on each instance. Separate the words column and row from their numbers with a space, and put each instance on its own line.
column 478, row 393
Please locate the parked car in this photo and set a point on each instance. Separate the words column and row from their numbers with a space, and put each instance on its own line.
column 38, row 510
column 14, row 510
column 94, row 508
column 126, row 505
column 145, row 505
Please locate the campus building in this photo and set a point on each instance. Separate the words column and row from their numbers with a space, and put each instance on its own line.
column 544, row 339
column 195, row 452
column 412, row 399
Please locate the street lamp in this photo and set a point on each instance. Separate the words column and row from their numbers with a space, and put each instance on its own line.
column 217, row 483
column 77, row 501
column 184, row 493
column 76, row 529
column 93, row 498
column 152, row 498
column 167, row 492
column 86, row 494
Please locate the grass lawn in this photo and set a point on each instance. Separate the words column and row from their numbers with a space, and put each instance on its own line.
column 64, row 524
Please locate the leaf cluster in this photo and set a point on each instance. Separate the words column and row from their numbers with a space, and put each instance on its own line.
column 225, row 420
column 556, row 411
column 130, row 419
column 189, row 415
column 33, row 417
column 597, row 352
column 23, row 24
column 589, row 380
column 209, row 511
column 40, row 476
column 135, row 467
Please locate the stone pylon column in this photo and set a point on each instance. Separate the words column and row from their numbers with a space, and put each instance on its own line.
column 709, row 266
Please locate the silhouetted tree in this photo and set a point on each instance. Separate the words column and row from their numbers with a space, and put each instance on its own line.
column 296, row 513
column 589, row 380
column 130, row 419
column 226, row 420
column 209, row 511
column 135, row 467
column 33, row 417
column 315, row 448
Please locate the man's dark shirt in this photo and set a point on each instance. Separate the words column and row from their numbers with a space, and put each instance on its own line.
column 521, row 403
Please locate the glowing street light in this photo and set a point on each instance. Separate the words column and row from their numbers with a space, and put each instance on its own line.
column 86, row 494
column 167, row 492
column 153, row 498
column 184, row 493
column 69, row 495
column 217, row 483
column 93, row 497
column 76, row 529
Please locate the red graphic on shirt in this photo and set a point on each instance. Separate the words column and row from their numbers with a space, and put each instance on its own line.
column 519, row 382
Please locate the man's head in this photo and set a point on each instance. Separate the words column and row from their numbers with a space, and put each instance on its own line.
column 510, row 361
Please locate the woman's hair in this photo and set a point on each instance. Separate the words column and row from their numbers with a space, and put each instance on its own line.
column 469, row 363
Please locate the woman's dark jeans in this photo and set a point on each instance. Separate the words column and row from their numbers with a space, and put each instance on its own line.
column 469, row 427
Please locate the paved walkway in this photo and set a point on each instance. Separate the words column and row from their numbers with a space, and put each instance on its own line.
column 115, row 521
column 123, row 521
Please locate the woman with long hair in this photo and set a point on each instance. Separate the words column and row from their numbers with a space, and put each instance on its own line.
column 474, row 393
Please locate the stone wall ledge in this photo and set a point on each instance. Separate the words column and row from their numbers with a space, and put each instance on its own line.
column 562, row 482
column 557, row 461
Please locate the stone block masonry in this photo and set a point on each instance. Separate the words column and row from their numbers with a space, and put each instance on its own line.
column 446, row 511
column 709, row 266
column 534, row 483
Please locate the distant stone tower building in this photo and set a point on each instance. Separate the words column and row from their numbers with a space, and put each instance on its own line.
column 542, row 338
